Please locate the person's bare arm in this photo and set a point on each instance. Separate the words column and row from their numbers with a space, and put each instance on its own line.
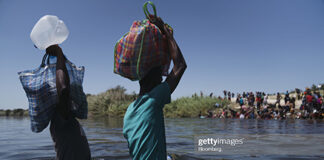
column 179, row 63
column 62, row 81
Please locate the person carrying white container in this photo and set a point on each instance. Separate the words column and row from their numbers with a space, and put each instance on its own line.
column 70, row 140
column 55, row 92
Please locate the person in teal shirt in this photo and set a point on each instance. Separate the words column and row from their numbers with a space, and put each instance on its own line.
column 144, row 121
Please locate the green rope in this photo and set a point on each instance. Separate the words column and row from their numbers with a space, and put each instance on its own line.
column 140, row 53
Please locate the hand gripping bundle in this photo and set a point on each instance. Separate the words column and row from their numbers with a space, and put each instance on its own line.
column 141, row 49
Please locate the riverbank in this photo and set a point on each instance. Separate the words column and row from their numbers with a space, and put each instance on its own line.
column 190, row 107
column 114, row 103
column 14, row 112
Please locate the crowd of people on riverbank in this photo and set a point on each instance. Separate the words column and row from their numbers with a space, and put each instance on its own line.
column 257, row 106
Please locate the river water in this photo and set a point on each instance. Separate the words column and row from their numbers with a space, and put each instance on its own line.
column 107, row 142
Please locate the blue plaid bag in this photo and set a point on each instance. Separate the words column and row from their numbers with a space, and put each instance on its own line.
column 40, row 87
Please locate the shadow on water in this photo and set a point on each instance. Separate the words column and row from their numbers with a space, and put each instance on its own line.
column 107, row 142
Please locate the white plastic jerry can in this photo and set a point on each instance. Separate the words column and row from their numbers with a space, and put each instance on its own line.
column 49, row 30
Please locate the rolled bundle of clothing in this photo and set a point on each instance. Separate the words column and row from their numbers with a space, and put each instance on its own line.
column 142, row 48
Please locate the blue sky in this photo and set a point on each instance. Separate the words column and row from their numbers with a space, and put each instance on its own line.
column 238, row 45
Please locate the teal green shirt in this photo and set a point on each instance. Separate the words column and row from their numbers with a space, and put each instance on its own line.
column 144, row 124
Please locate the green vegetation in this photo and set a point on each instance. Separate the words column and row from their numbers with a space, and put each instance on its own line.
column 192, row 106
column 114, row 102
column 15, row 112
column 313, row 88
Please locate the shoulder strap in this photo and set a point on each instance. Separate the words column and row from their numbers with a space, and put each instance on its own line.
column 43, row 60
